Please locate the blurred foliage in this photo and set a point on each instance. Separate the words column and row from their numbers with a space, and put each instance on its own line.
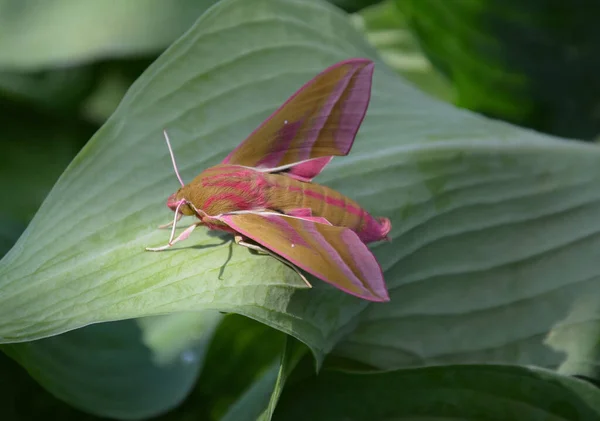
column 38, row 34
column 533, row 63
column 451, row 392
column 387, row 29
column 37, row 145
column 352, row 6
column 241, row 352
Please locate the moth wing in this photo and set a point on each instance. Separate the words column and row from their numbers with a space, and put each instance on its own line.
column 307, row 170
column 320, row 120
column 334, row 254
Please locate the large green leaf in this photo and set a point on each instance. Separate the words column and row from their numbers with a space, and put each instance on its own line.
column 495, row 228
column 457, row 393
column 46, row 33
column 534, row 63
column 130, row 369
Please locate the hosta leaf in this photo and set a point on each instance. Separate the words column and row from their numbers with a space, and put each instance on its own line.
column 130, row 369
column 241, row 353
column 259, row 401
column 494, row 228
column 457, row 393
column 291, row 356
column 44, row 33
column 251, row 405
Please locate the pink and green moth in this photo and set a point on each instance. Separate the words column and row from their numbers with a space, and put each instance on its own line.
column 263, row 194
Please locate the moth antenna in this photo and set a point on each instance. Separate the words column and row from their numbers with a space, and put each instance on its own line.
column 173, row 158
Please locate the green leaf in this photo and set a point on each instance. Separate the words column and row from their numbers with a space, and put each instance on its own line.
column 494, row 228
column 61, row 89
column 251, row 405
column 45, row 33
column 24, row 399
column 126, row 370
column 486, row 392
column 113, row 80
column 240, row 354
column 259, row 401
column 389, row 32
column 533, row 63
column 291, row 356
column 354, row 5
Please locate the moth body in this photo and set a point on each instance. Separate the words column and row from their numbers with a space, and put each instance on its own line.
column 229, row 188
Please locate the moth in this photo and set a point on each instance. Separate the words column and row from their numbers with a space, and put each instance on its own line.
column 263, row 193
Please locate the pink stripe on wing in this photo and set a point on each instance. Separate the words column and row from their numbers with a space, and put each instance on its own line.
column 308, row 170
column 366, row 263
column 354, row 107
column 285, row 138
column 319, row 121
column 335, row 256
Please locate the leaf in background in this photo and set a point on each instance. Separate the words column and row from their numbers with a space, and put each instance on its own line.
column 37, row 34
column 251, row 405
column 57, row 90
column 125, row 370
column 352, row 6
column 241, row 353
column 11, row 227
column 292, row 353
column 487, row 392
column 387, row 30
column 33, row 157
column 113, row 79
column 88, row 92
column 532, row 63
column 495, row 228
column 23, row 399
column 259, row 401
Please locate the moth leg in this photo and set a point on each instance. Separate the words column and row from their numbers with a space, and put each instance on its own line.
column 177, row 218
column 185, row 234
column 240, row 241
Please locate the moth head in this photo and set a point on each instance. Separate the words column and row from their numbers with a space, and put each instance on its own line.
column 177, row 203
column 173, row 202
